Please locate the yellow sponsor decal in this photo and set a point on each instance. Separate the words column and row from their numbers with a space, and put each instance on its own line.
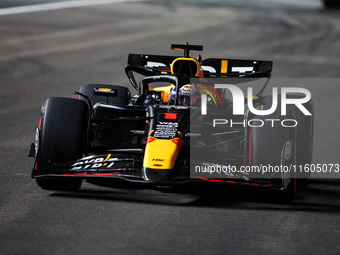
column 224, row 66
column 107, row 158
column 105, row 89
column 161, row 153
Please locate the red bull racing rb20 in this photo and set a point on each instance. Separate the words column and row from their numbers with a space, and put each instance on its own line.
column 178, row 128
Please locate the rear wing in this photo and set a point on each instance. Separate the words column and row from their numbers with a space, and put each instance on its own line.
column 150, row 65
column 219, row 67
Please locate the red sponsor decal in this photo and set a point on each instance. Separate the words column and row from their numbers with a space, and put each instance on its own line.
column 170, row 115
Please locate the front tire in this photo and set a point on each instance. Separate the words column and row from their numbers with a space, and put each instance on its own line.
column 304, row 135
column 62, row 137
column 274, row 145
column 61, row 184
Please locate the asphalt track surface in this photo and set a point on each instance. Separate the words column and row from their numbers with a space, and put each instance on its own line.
column 51, row 53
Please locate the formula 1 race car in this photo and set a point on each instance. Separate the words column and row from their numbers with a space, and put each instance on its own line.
column 181, row 127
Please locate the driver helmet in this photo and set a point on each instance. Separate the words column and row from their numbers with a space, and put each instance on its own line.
column 188, row 95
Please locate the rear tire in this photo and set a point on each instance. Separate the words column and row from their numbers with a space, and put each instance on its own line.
column 63, row 137
column 331, row 4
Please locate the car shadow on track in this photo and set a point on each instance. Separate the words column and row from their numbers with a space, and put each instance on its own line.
column 315, row 195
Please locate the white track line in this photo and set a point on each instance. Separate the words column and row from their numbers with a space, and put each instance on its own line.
column 57, row 6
